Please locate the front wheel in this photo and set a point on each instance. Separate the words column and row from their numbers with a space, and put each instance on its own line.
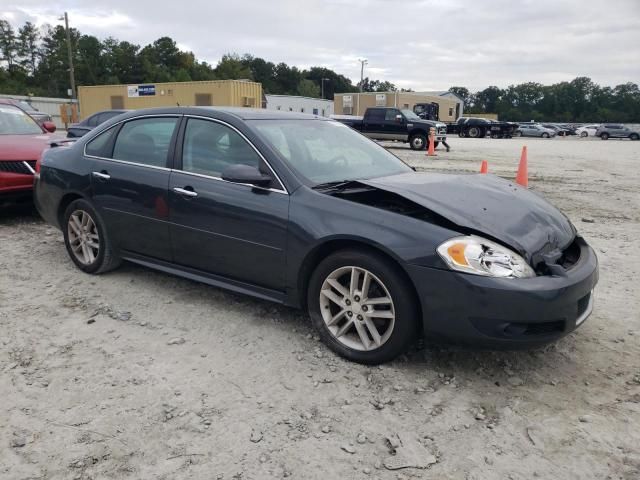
column 362, row 306
column 604, row 136
column 86, row 239
column 634, row 136
column 418, row 142
column 474, row 132
column 545, row 135
column 584, row 134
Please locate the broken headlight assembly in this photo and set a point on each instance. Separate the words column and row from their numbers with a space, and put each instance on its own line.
column 479, row 256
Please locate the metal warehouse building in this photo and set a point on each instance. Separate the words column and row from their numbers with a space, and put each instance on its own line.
column 294, row 103
column 357, row 103
column 229, row 93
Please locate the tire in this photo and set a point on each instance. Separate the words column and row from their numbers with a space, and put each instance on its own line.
column 634, row 136
column 418, row 142
column 517, row 134
column 386, row 281
column 80, row 216
column 604, row 136
column 584, row 134
column 545, row 135
column 474, row 132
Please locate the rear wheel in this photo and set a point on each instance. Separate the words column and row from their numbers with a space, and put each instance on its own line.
column 474, row 132
column 584, row 134
column 362, row 306
column 634, row 136
column 86, row 239
column 604, row 136
column 418, row 142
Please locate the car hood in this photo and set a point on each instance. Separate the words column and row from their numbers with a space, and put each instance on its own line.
column 23, row 147
column 488, row 205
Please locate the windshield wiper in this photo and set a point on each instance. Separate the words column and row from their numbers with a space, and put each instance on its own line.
column 336, row 185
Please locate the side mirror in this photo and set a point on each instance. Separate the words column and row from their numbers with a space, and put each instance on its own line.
column 246, row 174
column 399, row 118
column 49, row 126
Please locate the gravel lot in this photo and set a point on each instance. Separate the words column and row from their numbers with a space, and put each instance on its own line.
column 137, row 374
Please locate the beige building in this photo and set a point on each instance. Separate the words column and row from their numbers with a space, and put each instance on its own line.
column 357, row 103
column 229, row 93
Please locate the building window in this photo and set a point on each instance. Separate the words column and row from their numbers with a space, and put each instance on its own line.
column 323, row 113
column 203, row 100
column 290, row 109
column 117, row 102
column 451, row 112
column 278, row 107
column 347, row 110
column 302, row 110
column 315, row 111
column 406, row 105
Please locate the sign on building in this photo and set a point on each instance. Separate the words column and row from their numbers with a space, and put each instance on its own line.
column 347, row 101
column 141, row 90
column 381, row 100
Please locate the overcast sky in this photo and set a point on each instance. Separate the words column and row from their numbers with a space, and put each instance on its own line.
column 418, row 44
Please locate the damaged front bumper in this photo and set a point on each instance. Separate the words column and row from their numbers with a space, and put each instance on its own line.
column 506, row 312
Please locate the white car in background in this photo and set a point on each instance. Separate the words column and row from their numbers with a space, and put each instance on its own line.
column 587, row 130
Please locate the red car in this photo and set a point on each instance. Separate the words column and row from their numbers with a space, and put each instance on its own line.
column 22, row 141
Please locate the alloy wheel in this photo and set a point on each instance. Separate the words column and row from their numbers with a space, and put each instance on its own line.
column 357, row 308
column 84, row 239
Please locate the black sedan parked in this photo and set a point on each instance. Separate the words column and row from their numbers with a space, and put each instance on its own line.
column 80, row 129
column 307, row 212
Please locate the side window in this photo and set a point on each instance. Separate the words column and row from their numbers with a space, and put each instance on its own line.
column 390, row 115
column 375, row 115
column 210, row 147
column 145, row 141
column 101, row 145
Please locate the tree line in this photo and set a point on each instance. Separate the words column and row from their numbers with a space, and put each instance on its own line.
column 580, row 100
column 33, row 61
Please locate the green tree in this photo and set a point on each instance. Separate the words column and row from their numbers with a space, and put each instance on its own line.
column 231, row 67
column 307, row 88
column 28, row 47
column 8, row 44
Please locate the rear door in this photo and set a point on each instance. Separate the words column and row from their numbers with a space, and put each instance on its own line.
column 373, row 123
column 223, row 228
column 130, row 180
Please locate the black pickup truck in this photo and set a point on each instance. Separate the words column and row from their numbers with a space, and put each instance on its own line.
column 388, row 123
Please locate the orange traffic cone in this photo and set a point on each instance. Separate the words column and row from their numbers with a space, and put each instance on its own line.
column 432, row 144
column 484, row 168
column 522, row 178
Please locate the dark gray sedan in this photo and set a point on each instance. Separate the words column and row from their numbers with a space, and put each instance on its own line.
column 305, row 211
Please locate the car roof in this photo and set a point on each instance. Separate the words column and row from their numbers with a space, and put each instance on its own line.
column 238, row 112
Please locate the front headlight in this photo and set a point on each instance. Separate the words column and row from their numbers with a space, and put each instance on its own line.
column 479, row 256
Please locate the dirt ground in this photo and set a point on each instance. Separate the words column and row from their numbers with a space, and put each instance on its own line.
column 138, row 374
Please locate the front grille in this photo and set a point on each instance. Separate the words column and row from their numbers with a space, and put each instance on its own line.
column 17, row 166
column 442, row 131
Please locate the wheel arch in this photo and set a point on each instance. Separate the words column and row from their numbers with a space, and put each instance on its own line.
column 418, row 131
column 332, row 245
column 65, row 201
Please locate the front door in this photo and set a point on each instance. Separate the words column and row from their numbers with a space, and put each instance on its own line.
column 130, row 181
column 395, row 128
column 227, row 229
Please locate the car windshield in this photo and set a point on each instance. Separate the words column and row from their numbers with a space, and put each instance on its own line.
column 326, row 151
column 14, row 121
column 410, row 115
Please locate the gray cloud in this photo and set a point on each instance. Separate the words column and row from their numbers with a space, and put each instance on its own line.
column 428, row 44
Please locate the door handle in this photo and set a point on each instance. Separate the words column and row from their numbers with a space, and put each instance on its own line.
column 185, row 192
column 101, row 175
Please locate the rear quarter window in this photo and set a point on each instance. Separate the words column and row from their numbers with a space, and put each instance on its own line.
column 101, row 145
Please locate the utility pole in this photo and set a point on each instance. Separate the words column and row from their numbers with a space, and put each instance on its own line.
column 72, row 77
column 322, row 86
column 363, row 62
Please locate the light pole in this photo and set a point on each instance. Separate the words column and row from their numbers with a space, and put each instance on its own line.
column 72, row 77
column 363, row 62
column 322, row 86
